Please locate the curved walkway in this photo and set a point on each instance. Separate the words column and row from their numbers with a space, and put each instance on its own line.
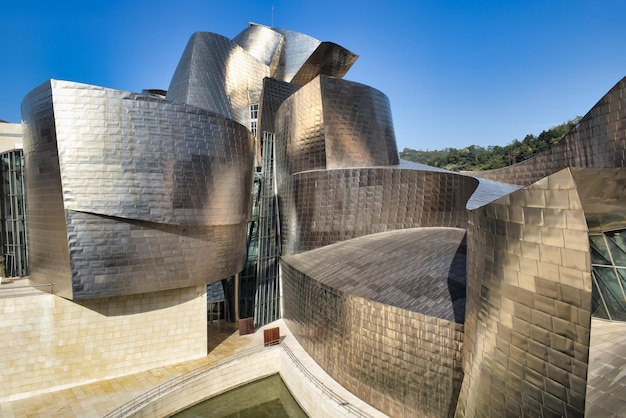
column 100, row 398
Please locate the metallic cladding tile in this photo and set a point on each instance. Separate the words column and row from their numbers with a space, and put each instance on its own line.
column 139, row 195
column 327, row 206
column 217, row 74
column 262, row 43
column 550, row 290
column 297, row 48
column 356, row 341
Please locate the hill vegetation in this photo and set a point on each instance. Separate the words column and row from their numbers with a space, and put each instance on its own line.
column 476, row 158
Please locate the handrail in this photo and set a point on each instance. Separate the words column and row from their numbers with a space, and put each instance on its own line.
column 144, row 399
column 167, row 387
column 327, row 391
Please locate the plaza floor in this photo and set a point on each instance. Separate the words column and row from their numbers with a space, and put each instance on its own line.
column 606, row 392
column 99, row 398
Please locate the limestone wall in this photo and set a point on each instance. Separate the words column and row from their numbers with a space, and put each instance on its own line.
column 48, row 343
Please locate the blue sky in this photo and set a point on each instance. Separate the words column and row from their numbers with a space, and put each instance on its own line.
column 456, row 72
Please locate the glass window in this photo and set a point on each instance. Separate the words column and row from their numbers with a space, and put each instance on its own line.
column 608, row 258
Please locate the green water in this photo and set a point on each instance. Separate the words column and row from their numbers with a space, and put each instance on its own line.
column 267, row 397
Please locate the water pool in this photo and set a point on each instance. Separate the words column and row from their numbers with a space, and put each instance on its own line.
column 268, row 397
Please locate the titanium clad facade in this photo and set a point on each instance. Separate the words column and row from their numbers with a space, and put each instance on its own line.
column 528, row 304
column 599, row 140
column 358, row 125
column 13, row 212
column 388, row 323
column 297, row 48
column 333, row 123
column 424, row 292
column 274, row 94
column 327, row 206
column 327, row 59
column 262, row 43
column 126, row 197
column 215, row 73
column 602, row 194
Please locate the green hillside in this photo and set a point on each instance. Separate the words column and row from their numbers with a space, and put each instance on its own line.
column 476, row 158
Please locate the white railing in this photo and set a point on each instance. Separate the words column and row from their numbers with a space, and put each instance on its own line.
column 157, row 392
column 163, row 389
column 352, row 409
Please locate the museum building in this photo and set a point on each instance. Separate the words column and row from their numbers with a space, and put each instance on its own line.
column 263, row 172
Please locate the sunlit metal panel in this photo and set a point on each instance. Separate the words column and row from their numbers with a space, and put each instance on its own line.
column 528, row 304
column 322, row 207
column 262, row 43
column 327, row 59
column 217, row 74
column 383, row 315
column 131, row 193
column 297, row 48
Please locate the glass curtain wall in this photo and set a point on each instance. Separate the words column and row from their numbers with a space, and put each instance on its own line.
column 267, row 298
column 14, row 244
column 247, row 278
column 608, row 261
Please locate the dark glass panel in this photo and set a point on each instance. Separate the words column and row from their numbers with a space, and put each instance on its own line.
column 599, row 252
column 617, row 244
column 611, row 292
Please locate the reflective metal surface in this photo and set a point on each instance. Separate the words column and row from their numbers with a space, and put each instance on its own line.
column 134, row 193
column 297, row 48
column 386, row 325
column 322, row 207
column 216, row 74
column 262, row 43
column 333, row 123
column 130, row 193
column 528, row 304
column 327, row 59
column 417, row 269
column 602, row 194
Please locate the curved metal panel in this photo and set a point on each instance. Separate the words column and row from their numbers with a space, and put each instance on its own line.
column 403, row 362
column 48, row 246
column 327, row 59
column 358, row 125
column 274, row 94
column 602, row 194
column 334, row 123
column 418, row 269
column 216, row 74
column 297, row 48
column 148, row 159
column 322, row 207
column 528, row 304
column 111, row 159
column 300, row 136
column 262, row 43
column 119, row 256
